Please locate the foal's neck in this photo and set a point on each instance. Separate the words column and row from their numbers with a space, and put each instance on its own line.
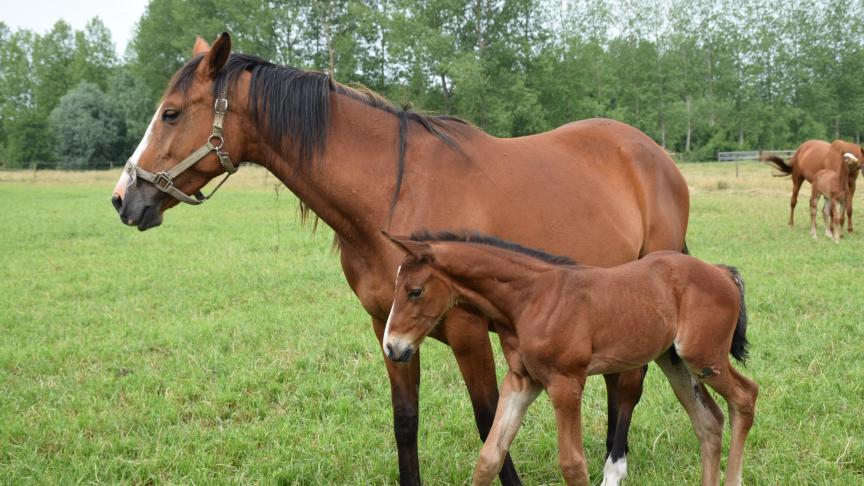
column 500, row 283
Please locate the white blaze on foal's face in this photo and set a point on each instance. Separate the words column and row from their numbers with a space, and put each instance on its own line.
column 125, row 180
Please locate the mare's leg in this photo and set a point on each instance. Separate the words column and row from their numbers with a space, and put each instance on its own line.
column 796, row 186
column 624, row 391
column 517, row 393
column 565, row 393
column 404, row 395
column 740, row 395
column 849, row 200
column 468, row 337
column 706, row 416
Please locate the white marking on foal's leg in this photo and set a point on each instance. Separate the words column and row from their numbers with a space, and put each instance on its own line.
column 614, row 471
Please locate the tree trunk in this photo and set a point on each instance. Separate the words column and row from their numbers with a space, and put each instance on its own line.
column 689, row 125
column 446, row 93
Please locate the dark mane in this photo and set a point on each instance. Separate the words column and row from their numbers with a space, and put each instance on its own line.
column 475, row 237
column 292, row 107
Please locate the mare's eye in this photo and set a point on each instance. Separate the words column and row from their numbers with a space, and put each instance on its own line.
column 415, row 293
column 170, row 115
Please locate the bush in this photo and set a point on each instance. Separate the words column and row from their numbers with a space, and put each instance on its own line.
column 88, row 130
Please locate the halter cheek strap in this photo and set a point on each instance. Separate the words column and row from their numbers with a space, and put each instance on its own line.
column 164, row 180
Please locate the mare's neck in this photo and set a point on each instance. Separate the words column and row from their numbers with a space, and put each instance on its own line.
column 499, row 283
column 349, row 186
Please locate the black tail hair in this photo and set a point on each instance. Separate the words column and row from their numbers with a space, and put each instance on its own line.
column 685, row 250
column 739, row 339
column 779, row 164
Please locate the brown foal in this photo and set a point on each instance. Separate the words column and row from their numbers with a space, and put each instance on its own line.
column 832, row 186
column 559, row 322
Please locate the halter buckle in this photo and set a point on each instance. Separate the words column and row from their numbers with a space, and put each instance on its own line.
column 221, row 105
column 162, row 181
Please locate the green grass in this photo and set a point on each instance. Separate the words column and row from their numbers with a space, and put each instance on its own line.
column 225, row 347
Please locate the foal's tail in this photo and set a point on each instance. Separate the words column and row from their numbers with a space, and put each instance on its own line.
column 779, row 164
column 739, row 339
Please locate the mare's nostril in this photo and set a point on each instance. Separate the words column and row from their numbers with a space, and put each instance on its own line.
column 389, row 349
column 117, row 201
column 406, row 355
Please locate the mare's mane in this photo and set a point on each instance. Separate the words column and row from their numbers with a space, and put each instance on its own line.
column 292, row 108
column 480, row 238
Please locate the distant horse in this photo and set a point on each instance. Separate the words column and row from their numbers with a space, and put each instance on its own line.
column 832, row 186
column 597, row 190
column 813, row 156
column 560, row 322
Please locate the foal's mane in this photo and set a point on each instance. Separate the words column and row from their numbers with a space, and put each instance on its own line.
column 480, row 238
column 292, row 107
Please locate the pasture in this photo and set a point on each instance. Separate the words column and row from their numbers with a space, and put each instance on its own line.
column 225, row 347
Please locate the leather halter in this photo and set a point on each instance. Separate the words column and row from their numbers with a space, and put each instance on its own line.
column 164, row 180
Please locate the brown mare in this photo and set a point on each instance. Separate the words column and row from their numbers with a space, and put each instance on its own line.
column 813, row 156
column 833, row 187
column 597, row 190
column 559, row 322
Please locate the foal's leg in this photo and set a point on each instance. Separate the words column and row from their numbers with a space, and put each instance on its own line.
column 740, row 394
column 624, row 391
column 706, row 416
column 517, row 393
column 469, row 341
column 826, row 216
column 814, row 201
column 565, row 393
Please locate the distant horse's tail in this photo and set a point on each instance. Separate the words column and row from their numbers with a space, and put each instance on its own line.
column 739, row 339
column 778, row 163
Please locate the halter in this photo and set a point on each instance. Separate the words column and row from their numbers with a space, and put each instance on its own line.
column 164, row 180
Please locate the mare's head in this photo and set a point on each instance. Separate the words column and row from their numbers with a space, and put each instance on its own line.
column 423, row 295
column 184, row 131
column 852, row 161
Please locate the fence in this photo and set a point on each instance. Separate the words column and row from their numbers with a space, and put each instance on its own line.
column 751, row 155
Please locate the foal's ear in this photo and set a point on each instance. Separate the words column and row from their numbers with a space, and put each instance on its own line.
column 216, row 56
column 418, row 249
column 201, row 46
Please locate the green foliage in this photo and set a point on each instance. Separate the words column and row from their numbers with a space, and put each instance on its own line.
column 88, row 129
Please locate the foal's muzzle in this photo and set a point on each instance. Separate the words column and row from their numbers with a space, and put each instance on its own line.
column 399, row 353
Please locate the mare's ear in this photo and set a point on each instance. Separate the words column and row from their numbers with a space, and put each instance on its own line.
column 201, row 46
column 216, row 57
column 417, row 249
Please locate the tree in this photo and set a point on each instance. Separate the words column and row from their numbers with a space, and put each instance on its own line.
column 88, row 130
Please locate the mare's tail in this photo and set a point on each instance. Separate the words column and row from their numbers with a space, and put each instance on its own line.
column 739, row 339
column 779, row 164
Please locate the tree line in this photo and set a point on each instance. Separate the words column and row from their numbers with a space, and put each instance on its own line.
column 698, row 76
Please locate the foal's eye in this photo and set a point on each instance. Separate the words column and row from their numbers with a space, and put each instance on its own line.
column 170, row 115
column 415, row 293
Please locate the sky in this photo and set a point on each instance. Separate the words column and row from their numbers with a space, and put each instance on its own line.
column 119, row 16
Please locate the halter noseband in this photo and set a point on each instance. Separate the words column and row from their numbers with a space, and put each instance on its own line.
column 164, row 180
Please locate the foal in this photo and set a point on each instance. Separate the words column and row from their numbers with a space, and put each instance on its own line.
column 560, row 322
column 832, row 186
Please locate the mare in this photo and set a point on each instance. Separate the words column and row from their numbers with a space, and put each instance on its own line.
column 559, row 322
column 832, row 187
column 811, row 157
column 597, row 190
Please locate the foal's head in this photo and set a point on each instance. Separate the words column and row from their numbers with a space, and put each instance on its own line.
column 183, row 122
column 423, row 295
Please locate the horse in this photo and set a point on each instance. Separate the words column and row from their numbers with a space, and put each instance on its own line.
column 833, row 188
column 597, row 190
column 811, row 157
column 559, row 322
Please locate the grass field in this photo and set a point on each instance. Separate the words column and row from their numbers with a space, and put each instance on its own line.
column 225, row 347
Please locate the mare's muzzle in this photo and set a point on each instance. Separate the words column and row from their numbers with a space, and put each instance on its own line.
column 399, row 352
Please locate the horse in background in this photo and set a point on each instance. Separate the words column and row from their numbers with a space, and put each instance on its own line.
column 813, row 156
column 833, row 188
column 560, row 322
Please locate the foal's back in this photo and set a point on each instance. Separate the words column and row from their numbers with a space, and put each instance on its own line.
column 635, row 312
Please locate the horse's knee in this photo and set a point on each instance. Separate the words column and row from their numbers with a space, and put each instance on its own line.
column 405, row 422
column 574, row 469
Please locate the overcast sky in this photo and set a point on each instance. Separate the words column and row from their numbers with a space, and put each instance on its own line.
column 39, row 15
